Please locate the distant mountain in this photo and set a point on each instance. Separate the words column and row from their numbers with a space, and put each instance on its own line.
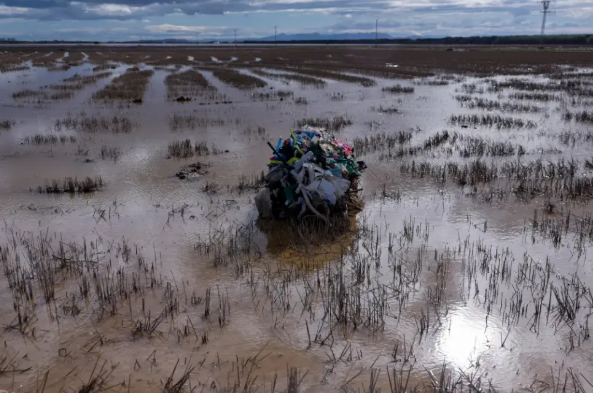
column 325, row 37
column 163, row 41
column 421, row 37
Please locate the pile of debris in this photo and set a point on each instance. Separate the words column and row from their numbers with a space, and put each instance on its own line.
column 192, row 171
column 310, row 173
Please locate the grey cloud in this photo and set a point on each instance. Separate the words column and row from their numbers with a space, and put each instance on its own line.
column 424, row 16
column 135, row 9
column 370, row 25
column 96, row 9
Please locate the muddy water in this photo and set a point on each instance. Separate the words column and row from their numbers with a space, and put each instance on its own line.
column 464, row 251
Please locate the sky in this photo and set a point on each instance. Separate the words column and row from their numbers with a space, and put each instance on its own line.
column 121, row 20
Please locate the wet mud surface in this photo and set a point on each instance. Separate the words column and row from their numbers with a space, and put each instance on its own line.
column 468, row 269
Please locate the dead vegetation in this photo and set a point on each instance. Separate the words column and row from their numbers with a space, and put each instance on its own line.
column 61, row 91
column 291, row 77
column 97, row 381
column 469, row 146
column 471, row 88
column 104, row 67
column 95, row 123
column 49, row 139
column 337, row 96
column 58, row 67
column 524, row 180
column 581, row 117
column 252, row 183
column 192, row 171
column 337, row 123
column 187, row 149
column 61, row 95
column 574, row 101
column 409, row 62
column 523, row 84
column 344, row 298
column 380, row 142
column 110, row 153
column 496, row 105
column 130, row 86
column 274, row 95
column 237, row 79
column 544, row 97
column 26, row 93
column 443, row 144
column 390, row 72
column 6, row 125
column 337, row 76
column 72, row 186
column 431, row 82
column 496, row 121
column 388, row 110
column 184, row 121
column 178, row 122
column 577, row 87
column 188, row 84
column 398, row 89
column 78, row 82
column 8, row 67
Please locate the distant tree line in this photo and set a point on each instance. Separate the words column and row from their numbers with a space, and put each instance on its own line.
column 564, row 39
column 576, row 39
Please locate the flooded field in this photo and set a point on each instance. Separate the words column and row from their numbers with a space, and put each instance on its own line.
column 133, row 259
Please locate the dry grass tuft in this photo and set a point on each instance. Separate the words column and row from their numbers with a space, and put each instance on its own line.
column 185, row 149
column 398, row 89
column 335, row 124
column 491, row 121
column 366, row 82
column 188, row 84
column 236, row 79
column 110, row 153
column 7, row 124
column 130, row 86
column 72, row 186
column 289, row 77
column 104, row 67
column 581, row 117
column 93, row 124
column 48, row 139
column 26, row 93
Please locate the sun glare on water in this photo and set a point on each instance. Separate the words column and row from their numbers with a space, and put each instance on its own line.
column 466, row 338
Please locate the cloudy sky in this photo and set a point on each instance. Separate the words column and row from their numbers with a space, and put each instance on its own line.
column 215, row 19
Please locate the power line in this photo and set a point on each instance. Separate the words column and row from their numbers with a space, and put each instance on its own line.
column 275, row 35
column 376, row 31
column 545, row 12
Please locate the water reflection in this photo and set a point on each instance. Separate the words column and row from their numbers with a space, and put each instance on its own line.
column 466, row 338
column 308, row 244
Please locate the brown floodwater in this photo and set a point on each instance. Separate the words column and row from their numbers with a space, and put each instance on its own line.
column 453, row 280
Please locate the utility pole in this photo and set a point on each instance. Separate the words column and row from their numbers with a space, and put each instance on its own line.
column 376, row 31
column 545, row 11
column 235, row 37
column 275, row 35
